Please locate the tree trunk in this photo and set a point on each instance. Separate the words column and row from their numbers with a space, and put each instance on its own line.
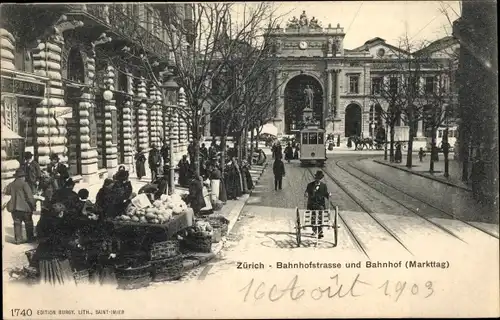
column 409, row 154
column 433, row 149
column 391, row 150
column 252, row 138
column 223, row 146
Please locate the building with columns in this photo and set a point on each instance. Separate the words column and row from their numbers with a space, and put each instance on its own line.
column 344, row 80
column 70, row 85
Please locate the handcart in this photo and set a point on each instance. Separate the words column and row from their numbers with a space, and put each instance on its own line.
column 326, row 218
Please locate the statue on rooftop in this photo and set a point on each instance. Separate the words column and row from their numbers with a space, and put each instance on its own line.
column 314, row 24
column 293, row 23
column 303, row 19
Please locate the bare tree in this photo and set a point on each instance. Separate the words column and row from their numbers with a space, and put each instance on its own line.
column 204, row 41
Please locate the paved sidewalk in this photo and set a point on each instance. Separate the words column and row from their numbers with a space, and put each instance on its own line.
column 422, row 169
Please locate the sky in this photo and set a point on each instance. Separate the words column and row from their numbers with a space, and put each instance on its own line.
column 364, row 20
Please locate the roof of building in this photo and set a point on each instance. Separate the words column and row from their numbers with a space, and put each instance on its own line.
column 375, row 41
column 439, row 44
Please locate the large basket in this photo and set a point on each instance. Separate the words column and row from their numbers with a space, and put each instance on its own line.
column 129, row 278
column 198, row 242
column 82, row 276
column 167, row 269
column 164, row 249
column 218, row 224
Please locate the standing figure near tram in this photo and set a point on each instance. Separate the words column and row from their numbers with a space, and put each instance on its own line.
column 309, row 92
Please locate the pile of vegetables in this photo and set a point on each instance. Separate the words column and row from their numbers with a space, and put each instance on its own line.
column 160, row 212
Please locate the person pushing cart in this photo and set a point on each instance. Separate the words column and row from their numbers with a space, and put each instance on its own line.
column 316, row 194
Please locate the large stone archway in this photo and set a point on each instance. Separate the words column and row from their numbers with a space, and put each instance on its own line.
column 353, row 120
column 295, row 101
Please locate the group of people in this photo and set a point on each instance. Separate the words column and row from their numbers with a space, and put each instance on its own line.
column 70, row 225
column 291, row 151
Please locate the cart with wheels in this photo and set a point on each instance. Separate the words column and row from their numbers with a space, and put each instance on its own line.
column 326, row 218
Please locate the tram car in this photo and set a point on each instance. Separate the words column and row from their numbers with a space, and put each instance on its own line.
column 312, row 146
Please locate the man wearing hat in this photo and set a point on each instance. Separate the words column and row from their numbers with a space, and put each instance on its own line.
column 316, row 193
column 154, row 161
column 57, row 170
column 21, row 205
column 33, row 171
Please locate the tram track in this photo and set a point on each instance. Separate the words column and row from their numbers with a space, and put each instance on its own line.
column 397, row 190
column 360, row 244
column 367, row 210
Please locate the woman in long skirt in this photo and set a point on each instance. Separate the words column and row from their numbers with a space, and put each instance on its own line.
column 140, row 160
column 56, row 239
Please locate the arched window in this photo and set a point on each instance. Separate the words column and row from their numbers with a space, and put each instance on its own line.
column 76, row 69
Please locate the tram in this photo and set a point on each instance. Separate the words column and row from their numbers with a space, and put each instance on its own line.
column 312, row 146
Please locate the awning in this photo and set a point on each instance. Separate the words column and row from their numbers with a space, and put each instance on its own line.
column 8, row 134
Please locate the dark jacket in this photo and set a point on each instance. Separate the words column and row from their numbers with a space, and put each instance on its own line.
column 56, row 237
column 316, row 192
column 70, row 200
column 33, row 172
column 154, row 159
column 21, row 196
column 278, row 168
column 140, row 159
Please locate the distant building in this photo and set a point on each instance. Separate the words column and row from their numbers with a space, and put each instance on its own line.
column 91, row 107
column 344, row 80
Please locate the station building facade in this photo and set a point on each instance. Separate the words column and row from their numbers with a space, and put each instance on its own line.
column 91, row 107
column 344, row 80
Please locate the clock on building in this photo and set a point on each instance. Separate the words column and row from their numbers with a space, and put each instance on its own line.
column 303, row 45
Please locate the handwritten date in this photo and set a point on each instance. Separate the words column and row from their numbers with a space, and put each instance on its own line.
column 352, row 288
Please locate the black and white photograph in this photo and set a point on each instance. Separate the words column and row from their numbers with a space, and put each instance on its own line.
column 195, row 160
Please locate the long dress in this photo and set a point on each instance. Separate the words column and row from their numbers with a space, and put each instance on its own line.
column 184, row 168
column 215, row 178
column 140, row 168
column 248, row 178
column 52, row 252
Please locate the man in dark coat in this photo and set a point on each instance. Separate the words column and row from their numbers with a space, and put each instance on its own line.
column 213, row 150
column 288, row 153
column 33, row 171
column 21, row 205
column 58, row 171
column 154, row 161
column 317, row 193
column 165, row 153
column 184, row 171
column 279, row 173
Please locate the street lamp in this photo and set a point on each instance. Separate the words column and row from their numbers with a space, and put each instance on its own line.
column 169, row 92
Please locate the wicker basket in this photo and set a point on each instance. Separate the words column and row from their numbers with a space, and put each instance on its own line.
column 198, row 242
column 217, row 224
column 165, row 249
column 129, row 278
column 167, row 269
column 82, row 276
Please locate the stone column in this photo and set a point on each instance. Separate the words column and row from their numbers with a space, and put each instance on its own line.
column 338, row 79
column 153, row 130
column 110, row 124
column 142, row 118
column 51, row 128
column 128, row 153
column 329, row 85
column 7, row 48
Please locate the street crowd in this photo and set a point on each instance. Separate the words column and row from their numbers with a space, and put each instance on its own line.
column 69, row 221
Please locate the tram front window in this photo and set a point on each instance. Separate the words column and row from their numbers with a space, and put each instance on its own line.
column 313, row 138
column 304, row 138
column 321, row 139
